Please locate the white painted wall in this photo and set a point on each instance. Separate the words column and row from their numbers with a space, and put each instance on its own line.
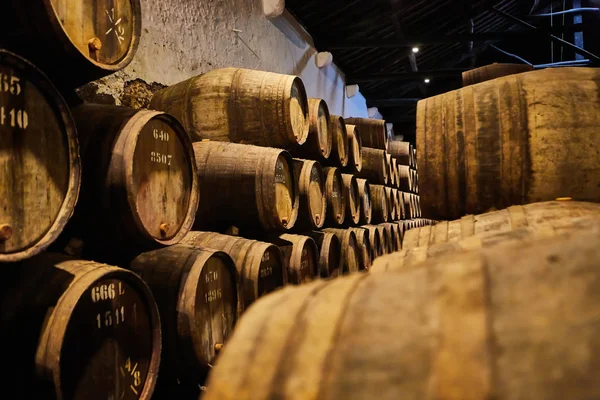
column 183, row 38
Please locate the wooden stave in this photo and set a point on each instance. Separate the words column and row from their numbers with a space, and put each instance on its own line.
column 377, row 246
column 36, row 32
column 56, row 101
column 350, row 261
column 259, row 167
column 247, row 255
column 492, row 71
column 547, row 157
column 56, row 284
column 228, row 89
column 401, row 151
column 333, row 175
column 182, row 265
column 538, row 216
column 308, row 218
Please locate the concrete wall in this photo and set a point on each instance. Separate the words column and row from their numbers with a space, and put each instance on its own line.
column 183, row 38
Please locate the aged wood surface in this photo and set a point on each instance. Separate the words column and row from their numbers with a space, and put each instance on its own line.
column 373, row 132
column 300, row 257
column 352, row 260
column 539, row 216
column 378, row 247
column 196, row 293
column 374, row 167
column 336, row 199
column 76, row 329
column 364, row 245
column 353, row 200
column 355, row 160
column 330, row 253
column 493, row 324
column 492, row 71
column 240, row 105
column 259, row 265
column 366, row 208
column 401, row 151
column 247, row 186
column 311, row 186
column 319, row 143
column 514, row 140
column 40, row 169
column 139, row 185
column 340, row 152
column 380, row 204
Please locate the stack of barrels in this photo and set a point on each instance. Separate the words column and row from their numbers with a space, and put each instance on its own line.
column 167, row 223
column 502, row 304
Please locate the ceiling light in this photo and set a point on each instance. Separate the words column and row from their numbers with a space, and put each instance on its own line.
column 427, row 80
column 415, row 49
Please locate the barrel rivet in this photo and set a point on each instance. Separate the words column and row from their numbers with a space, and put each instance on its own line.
column 164, row 229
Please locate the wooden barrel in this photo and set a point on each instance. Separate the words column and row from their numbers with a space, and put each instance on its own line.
column 400, row 204
column 414, row 158
column 40, row 169
column 364, row 246
column 373, row 132
column 76, row 329
column 351, row 257
column 540, row 216
column 523, row 236
column 196, row 292
column 259, row 265
column 399, row 228
column 355, row 160
column 74, row 42
column 391, row 204
column 243, row 185
column 495, row 144
column 334, row 194
column 493, row 71
column 377, row 246
column 396, row 173
column 300, row 257
column 366, row 208
column 319, row 143
column 311, row 187
column 417, row 204
column 374, row 167
column 536, row 347
column 140, row 183
column 353, row 199
column 406, row 198
column 391, row 237
column 330, row 253
column 240, row 105
column 340, row 152
column 404, row 178
column 391, row 171
column 401, row 151
column 379, row 203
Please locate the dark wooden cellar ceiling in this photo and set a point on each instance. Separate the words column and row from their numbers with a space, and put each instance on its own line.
column 372, row 42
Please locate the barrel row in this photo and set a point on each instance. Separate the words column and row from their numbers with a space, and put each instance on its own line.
column 375, row 323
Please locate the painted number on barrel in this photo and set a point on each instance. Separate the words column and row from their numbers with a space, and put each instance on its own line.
column 265, row 269
column 161, row 135
column 304, row 263
column 110, row 317
column 106, row 292
column 279, row 176
column 160, row 158
column 10, row 116
column 131, row 369
column 212, row 295
column 211, row 276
